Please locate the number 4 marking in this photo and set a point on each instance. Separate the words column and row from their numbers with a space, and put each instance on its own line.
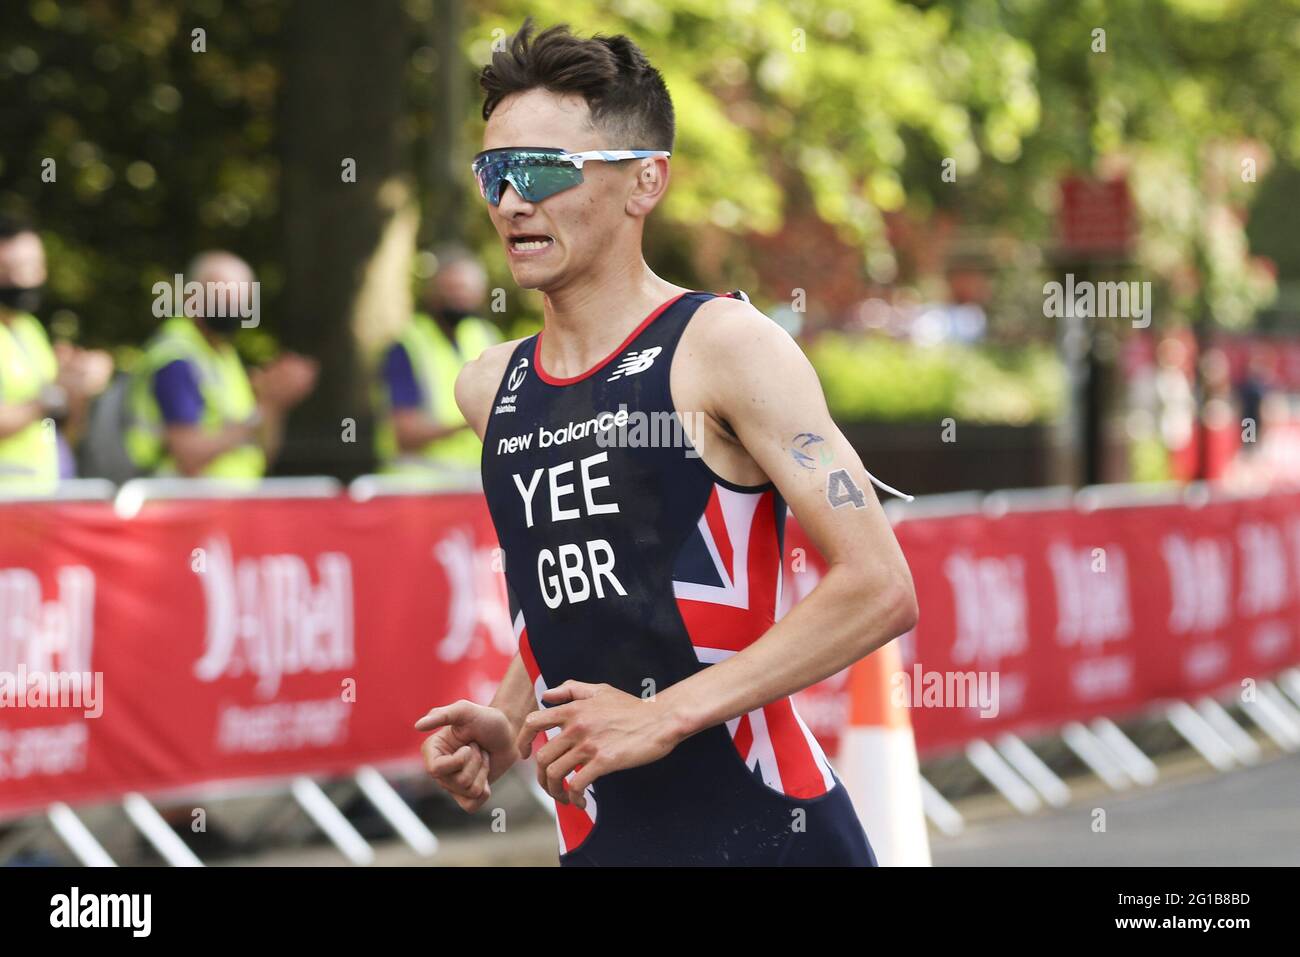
column 840, row 490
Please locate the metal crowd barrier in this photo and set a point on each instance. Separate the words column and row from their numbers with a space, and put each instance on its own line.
column 1014, row 770
column 366, row 487
column 69, row 490
column 133, row 495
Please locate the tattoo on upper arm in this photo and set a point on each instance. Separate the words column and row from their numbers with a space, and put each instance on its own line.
column 811, row 450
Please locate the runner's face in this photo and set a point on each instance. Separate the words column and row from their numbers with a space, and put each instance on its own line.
column 574, row 226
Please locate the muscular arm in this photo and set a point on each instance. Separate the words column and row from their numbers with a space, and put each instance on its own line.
column 514, row 695
column 766, row 390
column 476, row 385
column 473, row 745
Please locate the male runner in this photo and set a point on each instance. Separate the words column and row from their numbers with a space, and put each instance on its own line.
column 644, row 579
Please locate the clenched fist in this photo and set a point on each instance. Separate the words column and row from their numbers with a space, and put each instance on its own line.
column 472, row 746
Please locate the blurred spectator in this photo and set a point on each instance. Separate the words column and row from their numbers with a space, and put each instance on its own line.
column 419, row 429
column 1252, row 390
column 44, row 390
column 87, row 373
column 194, row 409
column 1220, row 430
column 1177, row 401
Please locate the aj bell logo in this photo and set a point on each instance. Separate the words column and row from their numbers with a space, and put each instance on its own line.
column 635, row 362
column 517, row 374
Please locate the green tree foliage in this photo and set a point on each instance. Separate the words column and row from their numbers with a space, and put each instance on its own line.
column 819, row 100
column 845, row 108
column 158, row 150
column 1192, row 100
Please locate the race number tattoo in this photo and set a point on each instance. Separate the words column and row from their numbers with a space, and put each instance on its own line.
column 841, row 489
column 810, row 450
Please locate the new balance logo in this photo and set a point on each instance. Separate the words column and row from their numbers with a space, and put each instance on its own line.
column 635, row 362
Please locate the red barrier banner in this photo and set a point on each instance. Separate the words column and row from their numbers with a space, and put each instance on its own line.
column 222, row 640
column 1031, row 620
column 237, row 639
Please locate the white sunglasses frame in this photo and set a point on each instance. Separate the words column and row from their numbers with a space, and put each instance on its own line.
column 577, row 159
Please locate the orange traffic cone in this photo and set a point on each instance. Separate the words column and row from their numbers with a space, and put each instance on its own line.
column 878, row 763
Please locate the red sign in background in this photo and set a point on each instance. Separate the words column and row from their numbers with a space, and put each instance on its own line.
column 262, row 638
column 1096, row 217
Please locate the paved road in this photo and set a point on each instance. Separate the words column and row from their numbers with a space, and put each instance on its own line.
column 1249, row 817
column 1193, row 816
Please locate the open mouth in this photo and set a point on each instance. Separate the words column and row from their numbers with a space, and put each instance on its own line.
column 527, row 243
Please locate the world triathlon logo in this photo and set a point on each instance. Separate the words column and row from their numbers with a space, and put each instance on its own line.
column 517, row 374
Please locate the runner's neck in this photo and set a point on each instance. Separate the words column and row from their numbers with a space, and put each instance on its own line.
column 582, row 327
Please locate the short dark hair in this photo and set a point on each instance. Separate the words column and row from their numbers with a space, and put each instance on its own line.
column 626, row 95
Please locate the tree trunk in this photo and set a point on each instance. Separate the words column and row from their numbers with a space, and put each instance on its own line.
column 348, row 239
column 448, row 163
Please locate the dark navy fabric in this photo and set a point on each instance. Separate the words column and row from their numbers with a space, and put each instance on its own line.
column 176, row 388
column 694, row 563
column 701, row 804
column 399, row 379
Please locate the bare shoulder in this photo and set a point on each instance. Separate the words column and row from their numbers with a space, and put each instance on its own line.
column 740, row 348
column 726, row 327
column 750, row 380
column 476, row 384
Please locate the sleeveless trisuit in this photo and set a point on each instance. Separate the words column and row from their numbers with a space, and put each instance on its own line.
column 629, row 562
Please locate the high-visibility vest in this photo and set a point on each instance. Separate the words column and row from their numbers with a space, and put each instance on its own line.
column 29, row 458
column 227, row 399
column 436, row 363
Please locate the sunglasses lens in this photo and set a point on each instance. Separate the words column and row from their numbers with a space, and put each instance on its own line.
column 535, row 183
column 534, row 175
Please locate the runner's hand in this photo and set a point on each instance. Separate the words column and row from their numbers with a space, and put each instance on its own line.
column 472, row 745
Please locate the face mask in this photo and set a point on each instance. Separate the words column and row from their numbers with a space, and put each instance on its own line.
column 222, row 325
column 454, row 316
column 20, row 298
